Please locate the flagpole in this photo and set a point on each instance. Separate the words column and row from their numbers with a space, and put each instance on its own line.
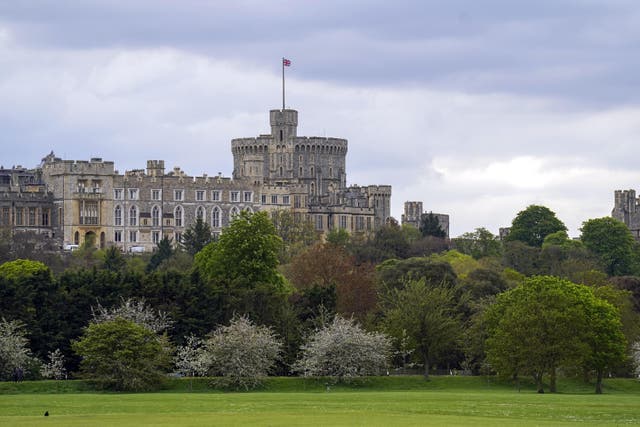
column 283, row 84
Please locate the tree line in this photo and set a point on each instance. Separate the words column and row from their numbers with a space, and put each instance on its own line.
column 537, row 304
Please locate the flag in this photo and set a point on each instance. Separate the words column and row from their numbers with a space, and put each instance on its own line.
column 286, row 62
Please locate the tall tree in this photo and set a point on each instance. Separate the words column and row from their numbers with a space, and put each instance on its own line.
column 533, row 224
column 612, row 242
column 430, row 226
column 243, row 265
column 163, row 252
column 426, row 316
column 479, row 244
column 196, row 237
column 545, row 323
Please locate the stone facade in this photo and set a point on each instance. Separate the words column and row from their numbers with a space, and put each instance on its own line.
column 309, row 175
column 25, row 203
column 626, row 208
column 413, row 214
column 74, row 200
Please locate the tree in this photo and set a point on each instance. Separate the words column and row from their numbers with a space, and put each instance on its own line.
column 243, row 267
column 612, row 242
column 479, row 244
column 14, row 348
column 29, row 293
column 427, row 316
column 247, row 252
column 189, row 359
column 241, row 353
column 122, row 355
column 343, row 350
column 113, row 259
column 395, row 273
column 607, row 343
column 546, row 323
column 54, row 369
column 196, row 237
column 533, row 224
column 135, row 311
column 296, row 231
column 163, row 252
column 430, row 226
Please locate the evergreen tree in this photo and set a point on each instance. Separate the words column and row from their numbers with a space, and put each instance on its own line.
column 196, row 237
column 430, row 226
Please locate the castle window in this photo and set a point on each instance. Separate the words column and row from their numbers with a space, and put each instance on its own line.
column 343, row 221
column 312, row 171
column 235, row 196
column 178, row 215
column 133, row 236
column 117, row 236
column 274, row 199
column 178, row 195
column 117, row 216
column 281, row 134
column 248, row 196
column 32, row 216
column 215, row 195
column 133, row 216
column 330, row 172
column 133, row 194
column 155, row 217
column 285, row 200
column 46, row 217
column 264, row 199
column 313, row 188
column 177, row 237
column 200, row 213
column 117, row 193
column 296, row 201
column 89, row 213
column 156, row 194
column 319, row 222
column 155, row 236
column 6, row 216
column 215, row 217
column 200, row 195
column 281, row 171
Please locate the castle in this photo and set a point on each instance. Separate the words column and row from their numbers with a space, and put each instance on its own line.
column 626, row 208
column 71, row 201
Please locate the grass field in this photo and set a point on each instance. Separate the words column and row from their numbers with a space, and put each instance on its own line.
column 382, row 402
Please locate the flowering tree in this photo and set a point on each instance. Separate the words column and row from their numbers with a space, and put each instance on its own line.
column 14, row 348
column 136, row 311
column 342, row 349
column 54, row 368
column 241, row 353
column 190, row 358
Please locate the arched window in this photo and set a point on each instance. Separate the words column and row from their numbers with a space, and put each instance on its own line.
column 281, row 171
column 330, row 172
column 117, row 216
column 200, row 213
column 312, row 171
column 178, row 215
column 248, row 209
column 313, row 188
column 133, row 216
column 215, row 217
column 155, row 216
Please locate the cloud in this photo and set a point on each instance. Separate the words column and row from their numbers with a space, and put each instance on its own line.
column 476, row 109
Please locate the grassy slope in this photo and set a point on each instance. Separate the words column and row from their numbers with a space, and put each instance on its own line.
column 284, row 401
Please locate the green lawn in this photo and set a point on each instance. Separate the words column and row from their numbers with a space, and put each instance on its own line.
column 449, row 402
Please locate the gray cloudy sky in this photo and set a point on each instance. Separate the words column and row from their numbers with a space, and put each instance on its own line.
column 477, row 108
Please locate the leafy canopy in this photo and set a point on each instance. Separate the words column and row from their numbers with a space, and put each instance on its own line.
column 533, row 224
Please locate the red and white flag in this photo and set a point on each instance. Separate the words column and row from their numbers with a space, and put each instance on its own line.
column 286, row 62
